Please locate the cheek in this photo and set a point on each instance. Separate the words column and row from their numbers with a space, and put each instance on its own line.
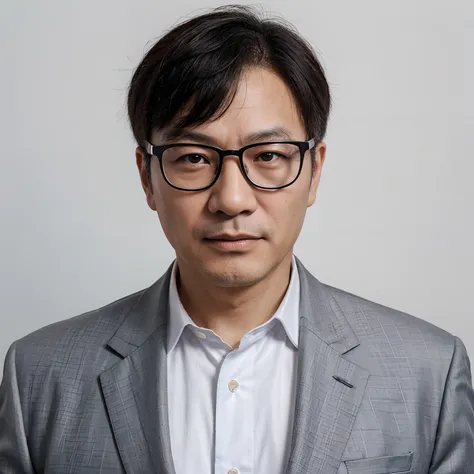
column 179, row 214
column 287, row 210
column 165, row 202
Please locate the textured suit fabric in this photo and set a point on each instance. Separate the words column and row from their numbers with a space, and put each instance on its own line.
column 378, row 391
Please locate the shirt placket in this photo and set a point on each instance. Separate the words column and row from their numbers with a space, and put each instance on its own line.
column 234, row 436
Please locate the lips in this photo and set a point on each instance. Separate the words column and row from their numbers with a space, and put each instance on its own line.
column 233, row 243
column 233, row 238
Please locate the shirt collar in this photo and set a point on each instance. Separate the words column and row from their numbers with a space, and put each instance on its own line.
column 287, row 313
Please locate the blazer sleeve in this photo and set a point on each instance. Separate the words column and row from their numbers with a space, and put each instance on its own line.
column 14, row 453
column 454, row 446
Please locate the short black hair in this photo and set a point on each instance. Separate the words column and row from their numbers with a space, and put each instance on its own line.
column 190, row 76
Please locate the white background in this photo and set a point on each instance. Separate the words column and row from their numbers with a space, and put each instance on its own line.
column 394, row 217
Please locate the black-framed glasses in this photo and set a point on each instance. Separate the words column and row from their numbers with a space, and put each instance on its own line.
column 266, row 165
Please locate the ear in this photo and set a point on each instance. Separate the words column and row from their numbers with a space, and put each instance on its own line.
column 317, row 168
column 146, row 183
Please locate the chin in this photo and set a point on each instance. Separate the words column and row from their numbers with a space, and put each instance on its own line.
column 234, row 272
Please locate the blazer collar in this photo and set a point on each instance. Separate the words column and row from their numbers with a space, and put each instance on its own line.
column 317, row 308
column 149, row 314
column 322, row 314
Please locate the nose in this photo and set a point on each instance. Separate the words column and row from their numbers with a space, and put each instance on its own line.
column 232, row 194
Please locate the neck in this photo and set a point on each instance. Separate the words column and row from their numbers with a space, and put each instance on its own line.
column 232, row 312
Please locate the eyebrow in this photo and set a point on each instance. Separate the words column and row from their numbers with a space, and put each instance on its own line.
column 173, row 134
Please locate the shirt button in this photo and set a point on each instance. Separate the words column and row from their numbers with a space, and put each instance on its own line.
column 233, row 387
column 201, row 335
column 233, row 471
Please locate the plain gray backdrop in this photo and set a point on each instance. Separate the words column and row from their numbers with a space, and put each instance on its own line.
column 393, row 221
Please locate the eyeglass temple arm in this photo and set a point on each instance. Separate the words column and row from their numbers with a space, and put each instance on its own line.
column 148, row 147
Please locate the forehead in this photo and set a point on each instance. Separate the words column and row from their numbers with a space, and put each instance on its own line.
column 262, row 102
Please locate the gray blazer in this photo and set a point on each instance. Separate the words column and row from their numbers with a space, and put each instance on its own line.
column 378, row 391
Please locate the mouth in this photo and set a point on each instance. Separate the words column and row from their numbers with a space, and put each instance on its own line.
column 233, row 242
column 232, row 237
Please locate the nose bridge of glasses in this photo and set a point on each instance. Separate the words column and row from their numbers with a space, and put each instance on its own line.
column 237, row 153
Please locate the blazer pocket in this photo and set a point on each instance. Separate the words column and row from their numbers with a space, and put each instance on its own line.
column 381, row 465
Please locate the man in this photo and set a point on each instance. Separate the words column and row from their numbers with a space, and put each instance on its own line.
column 237, row 360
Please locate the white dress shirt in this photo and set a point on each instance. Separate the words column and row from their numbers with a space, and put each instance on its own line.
column 231, row 411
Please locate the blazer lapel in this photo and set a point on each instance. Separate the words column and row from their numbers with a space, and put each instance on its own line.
column 135, row 389
column 330, row 387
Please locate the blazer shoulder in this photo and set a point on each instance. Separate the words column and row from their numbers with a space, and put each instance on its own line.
column 87, row 333
column 102, row 321
column 405, row 333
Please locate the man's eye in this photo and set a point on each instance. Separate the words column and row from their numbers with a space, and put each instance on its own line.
column 268, row 156
column 194, row 159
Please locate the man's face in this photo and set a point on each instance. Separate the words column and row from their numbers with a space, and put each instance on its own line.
column 199, row 224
